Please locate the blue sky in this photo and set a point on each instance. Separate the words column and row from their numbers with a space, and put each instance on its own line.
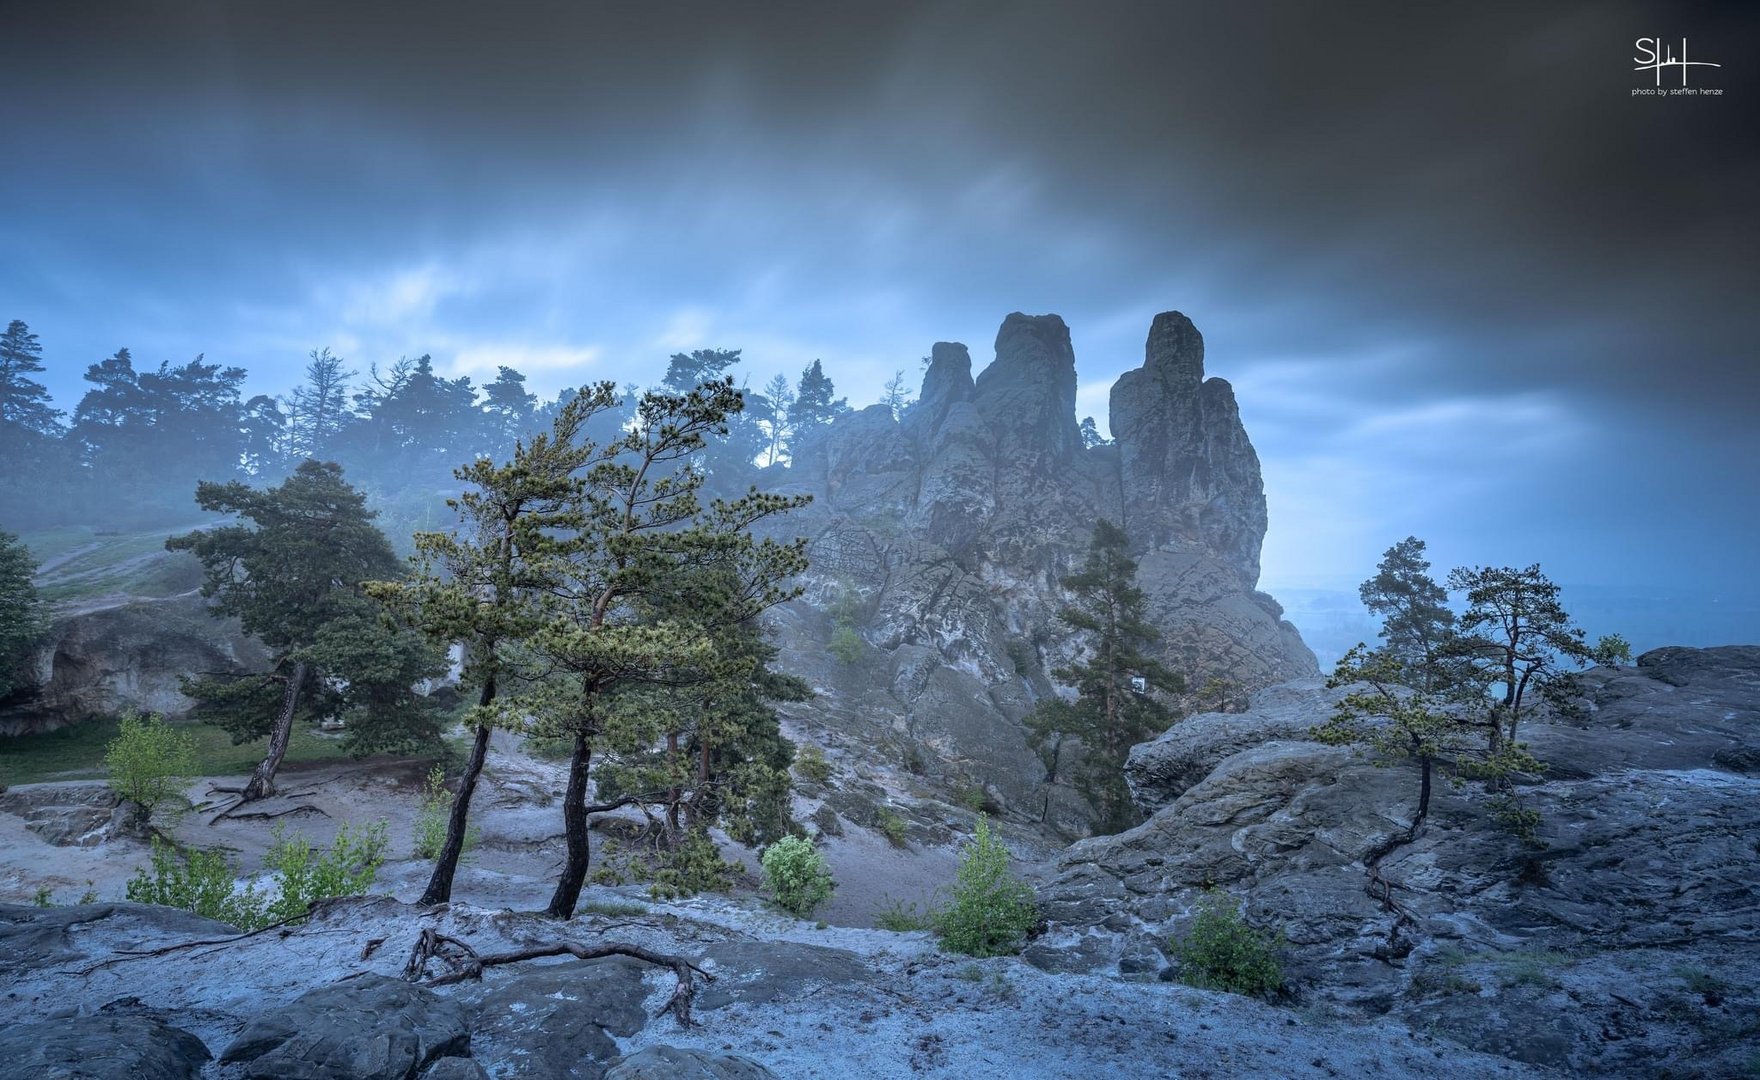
column 1464, row 284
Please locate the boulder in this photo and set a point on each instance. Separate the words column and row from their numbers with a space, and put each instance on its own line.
column 556, row 1021
column 371, row 1028
column 101, row 1048
column 673, row 1063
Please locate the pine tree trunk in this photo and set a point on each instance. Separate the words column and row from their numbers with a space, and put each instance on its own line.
column 439, row 889
column 1423, row 795
column 262, row 782
column 574, row 827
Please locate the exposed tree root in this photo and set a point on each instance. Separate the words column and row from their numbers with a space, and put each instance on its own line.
column 467, row 963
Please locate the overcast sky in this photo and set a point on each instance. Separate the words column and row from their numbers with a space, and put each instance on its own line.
column 1465, row 284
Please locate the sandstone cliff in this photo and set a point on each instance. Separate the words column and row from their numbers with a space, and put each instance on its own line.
column 940, row 536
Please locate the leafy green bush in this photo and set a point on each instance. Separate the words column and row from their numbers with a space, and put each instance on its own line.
column 846, row 644
column 149, row 761
column 901, row 918
column 810, row 762
column 431, row 818
column 992, row 911
column 797, row 875
column 305, row 874
column 892, row 826
column 1219, row 951
column 205, row 882
column 694, row 866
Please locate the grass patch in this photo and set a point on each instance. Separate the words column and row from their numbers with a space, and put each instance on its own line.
column 611, row 908
column 902, row 918
column 77, row 752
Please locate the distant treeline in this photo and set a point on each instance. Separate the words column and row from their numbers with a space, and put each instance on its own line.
column 132, row 450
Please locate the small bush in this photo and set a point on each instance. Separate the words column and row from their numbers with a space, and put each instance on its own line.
column 1221, row 952
column 42, row 897
column 305, row 875
column 205, row 882
column 891, row 826
column 846, row 644
column 902, row 918
column 432, row 818
column 797, row 875
column 694, row 866
column 810, row 762
column 611, row 908
column 149, row 761
column 992, row 911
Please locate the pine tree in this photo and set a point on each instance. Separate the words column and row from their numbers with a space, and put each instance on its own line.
column 21, row 612
column 319, row 409
column 1516, row 637
column 813, row 403
column 896, row 395
column 1115, row 707
column 1090, row 433
column 486, row 585
column 640, row 523
column 509, row 408
column 778, row 402
column 1417, row 624
column 292, row 577
column 24, row 402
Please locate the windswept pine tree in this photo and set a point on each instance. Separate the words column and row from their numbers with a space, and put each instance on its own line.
column 489, row 584
column 293, row 577
column 641, row 522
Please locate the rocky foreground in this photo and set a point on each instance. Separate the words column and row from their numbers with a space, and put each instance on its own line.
column 1625, row 944
column 329, row 999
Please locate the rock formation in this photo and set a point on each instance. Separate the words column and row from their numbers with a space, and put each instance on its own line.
column 1620, row 944
column 129, row 654
column 940, row 537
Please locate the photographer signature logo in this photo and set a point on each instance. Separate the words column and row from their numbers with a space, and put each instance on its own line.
column 1654, row 54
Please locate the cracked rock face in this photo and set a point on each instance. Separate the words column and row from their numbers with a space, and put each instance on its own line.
column 1623, row 942
column 940, row 538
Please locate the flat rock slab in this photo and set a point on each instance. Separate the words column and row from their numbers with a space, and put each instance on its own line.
column 368, row 1028
column 757, row 972
column 33, row 938
column 555, row 1021
column 672, row 1063
column 100, row 1048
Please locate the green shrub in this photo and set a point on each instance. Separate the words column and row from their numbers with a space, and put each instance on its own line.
column 205, row 882
column 901, row 918
column 149, row 761
column 1219, row 951
column 694, row 866
column 892, row 826
column 846, row 644
column 42, row 897
column 797, row 875
column 992, row 911
column 810, row 762
column 304, row 874
column 432, row 817
column 610, row 908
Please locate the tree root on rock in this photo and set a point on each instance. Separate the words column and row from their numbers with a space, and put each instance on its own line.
column 467, row 963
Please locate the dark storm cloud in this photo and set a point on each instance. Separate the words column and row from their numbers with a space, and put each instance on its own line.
column 1425, row 243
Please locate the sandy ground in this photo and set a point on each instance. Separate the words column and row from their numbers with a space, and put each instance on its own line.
column 514, row 865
